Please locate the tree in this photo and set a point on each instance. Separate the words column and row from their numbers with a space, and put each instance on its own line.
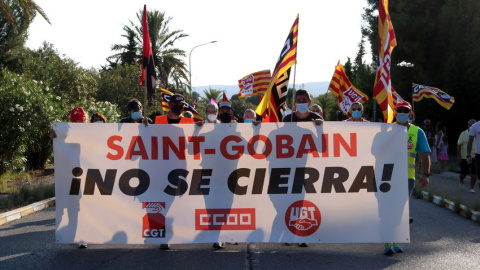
column 128, row 53
column 437, row 46
column 12, row 38
column 28, row 7
column 168, row 59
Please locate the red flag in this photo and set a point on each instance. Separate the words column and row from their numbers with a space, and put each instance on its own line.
column 147, row 60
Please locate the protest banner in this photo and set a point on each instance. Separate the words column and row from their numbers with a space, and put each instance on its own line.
column 275, row 182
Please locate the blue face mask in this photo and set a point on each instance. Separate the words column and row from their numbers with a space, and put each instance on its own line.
column 248, row 121
column 402, row 117
column 302, row 107
column 356, row 114
column 136, row 115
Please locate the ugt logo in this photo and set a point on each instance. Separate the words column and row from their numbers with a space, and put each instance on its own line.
column 154, row 220
column 303, row 218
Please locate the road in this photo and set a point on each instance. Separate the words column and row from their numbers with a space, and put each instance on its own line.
column 440, row 240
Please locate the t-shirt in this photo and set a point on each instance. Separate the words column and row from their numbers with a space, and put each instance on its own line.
column 475, row 132
column 312, row 116
column 430, row 133
column 463, row 141
column 422, row 143
column 130, row 120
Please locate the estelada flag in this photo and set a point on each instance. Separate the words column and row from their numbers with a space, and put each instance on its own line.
column 254, row 83
column 147, row 60
column 345, row 91
column 382, row 90
column 442, row 98
column 165, row 97
column 273, row 102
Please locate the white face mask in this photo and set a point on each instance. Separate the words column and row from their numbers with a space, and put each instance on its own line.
column 302, row 107
column 212, row 117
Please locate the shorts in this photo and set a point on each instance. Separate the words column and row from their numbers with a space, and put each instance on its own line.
column 466, row 169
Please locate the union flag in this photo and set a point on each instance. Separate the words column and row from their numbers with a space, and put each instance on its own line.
column 442, row 98
column 254, row 83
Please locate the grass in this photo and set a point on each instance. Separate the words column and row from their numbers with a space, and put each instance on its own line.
column 18, row 189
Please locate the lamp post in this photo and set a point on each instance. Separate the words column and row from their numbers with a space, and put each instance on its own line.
column 190, row 62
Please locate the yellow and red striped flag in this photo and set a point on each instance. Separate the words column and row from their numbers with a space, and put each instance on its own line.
column 345, row 91
column 442, row 98
column 165, row 97
column 254, row 83
column 273, row 102
column 382, row 90
column 396, row 97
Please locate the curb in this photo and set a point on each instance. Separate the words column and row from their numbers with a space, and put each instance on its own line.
column 26, row 210
column 450, row 205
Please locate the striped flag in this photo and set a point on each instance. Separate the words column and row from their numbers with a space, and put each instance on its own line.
column 254, row 83
column 442, row 98
column 273, row 102
column 165, row 97
column 382, row 90
column 396, row 97
column 345, row 91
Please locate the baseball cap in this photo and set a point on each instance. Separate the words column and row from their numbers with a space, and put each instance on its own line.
column 225, row 104
column 177, row 98
column 403, row 104
column 78, row 115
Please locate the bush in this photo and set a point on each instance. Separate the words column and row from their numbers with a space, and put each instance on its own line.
column 28, row 109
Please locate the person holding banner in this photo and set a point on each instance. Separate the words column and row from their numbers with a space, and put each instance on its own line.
column 135, row 108
column 357, row 111
column 174, row 115
column 211, row 111
column 249, row 116
column 474, row 134
column 303, row 114
column 417, row 143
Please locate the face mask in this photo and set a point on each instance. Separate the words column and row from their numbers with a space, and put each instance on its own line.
column 176, row 109
column 356, row 114
column 225, row 118
column 211, row 117
column 136, row 115
column 248, row 121
column 403, row 117
column 410, row 121
column 99, row 122
column 302, row 107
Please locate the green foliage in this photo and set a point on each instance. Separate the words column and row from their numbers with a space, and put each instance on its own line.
column 28, row 109
column 13, row 35
column 28, row 194
column 119, row 85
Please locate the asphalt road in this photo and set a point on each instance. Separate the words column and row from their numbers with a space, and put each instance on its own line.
column 440, row 240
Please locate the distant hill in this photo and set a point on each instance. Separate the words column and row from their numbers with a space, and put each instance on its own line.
column 315, row 88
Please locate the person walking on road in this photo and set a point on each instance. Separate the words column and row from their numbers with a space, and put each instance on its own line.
column 473, row 134
column 417, row 143
column 462, row 154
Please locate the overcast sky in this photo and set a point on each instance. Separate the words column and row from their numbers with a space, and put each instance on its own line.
column 250, row 34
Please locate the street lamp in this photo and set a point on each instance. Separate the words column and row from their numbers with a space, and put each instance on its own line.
column 190, row 62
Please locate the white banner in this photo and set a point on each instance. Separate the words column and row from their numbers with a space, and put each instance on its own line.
column 275, row 182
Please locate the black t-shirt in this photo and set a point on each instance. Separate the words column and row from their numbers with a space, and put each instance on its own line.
column 130, row 120
column 312, row 116
column 174, row 121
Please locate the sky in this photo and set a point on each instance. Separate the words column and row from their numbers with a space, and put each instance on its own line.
column 249, row 34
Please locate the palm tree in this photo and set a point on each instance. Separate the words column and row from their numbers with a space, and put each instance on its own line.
column 170, row 66
column 128, row 53
column 28, row 7
column 211, row 93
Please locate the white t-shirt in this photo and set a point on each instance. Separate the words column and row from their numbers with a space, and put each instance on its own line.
column 475, row 131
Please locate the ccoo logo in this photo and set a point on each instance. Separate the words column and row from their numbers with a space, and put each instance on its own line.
column 303, row 218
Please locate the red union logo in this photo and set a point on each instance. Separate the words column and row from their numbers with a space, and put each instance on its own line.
column 154, row 207
column 225, row 219
column 248, row 85
column 303, row 218
column 153, row 221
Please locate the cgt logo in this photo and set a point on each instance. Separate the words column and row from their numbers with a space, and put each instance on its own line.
column 154, row 220
column 303, row 218
column 225, row 219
